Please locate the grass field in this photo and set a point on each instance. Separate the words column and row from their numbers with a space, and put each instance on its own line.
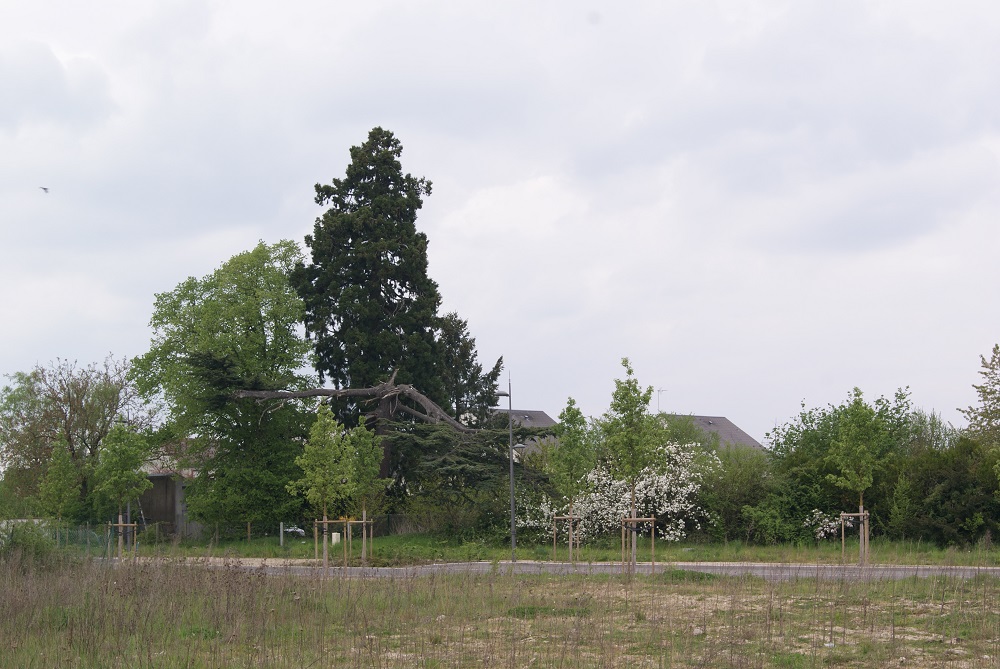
column 420, row 548
column 78, row 613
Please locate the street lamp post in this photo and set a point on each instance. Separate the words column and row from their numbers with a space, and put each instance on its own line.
column 510, row 454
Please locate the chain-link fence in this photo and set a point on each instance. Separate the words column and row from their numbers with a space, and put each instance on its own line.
column 97, row 540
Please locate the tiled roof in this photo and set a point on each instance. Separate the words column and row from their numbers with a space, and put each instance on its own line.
column 728, row 433
column 529, row 418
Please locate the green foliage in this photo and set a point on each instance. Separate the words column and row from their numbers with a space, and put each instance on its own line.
column 118, row 477
column 468, row 392
column 682, row 429
column 769, row 522
column 901, row 521
column 64, row 404
column 574, row 454
column 929, row 430
column 629, row 436
column 862, row 440
column 59, row 492
column 327, row 464
column 235, row 329
column 369, row 487
column 369, row 304
column 26, row 433
column 28, row 542
column 340, row 466
column 984, row 418
column 916, row 475
column 827, row 457
column 742, row 479
column 457, row 483
column 949, row 496
column 14, row 505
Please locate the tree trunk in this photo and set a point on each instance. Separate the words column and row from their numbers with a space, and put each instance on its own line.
column 120, row 537
column 364, row 535
column 325, row 554
column 634, row 538
column 571, row 531
column 863, row 529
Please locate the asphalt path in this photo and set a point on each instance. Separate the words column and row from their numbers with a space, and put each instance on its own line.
column 767, row 571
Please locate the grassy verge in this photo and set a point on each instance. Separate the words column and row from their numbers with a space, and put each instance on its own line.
column 91, row 614
column 420, row 549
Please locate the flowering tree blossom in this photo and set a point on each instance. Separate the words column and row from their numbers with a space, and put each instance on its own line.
column 630, row 437
column 667, row 491
column 824, row 526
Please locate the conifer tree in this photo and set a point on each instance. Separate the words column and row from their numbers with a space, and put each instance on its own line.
column 370, row 306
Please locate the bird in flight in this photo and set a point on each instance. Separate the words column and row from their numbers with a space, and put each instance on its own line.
column 44, row 189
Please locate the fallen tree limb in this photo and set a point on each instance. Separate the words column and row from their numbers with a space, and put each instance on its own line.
column 387, row 394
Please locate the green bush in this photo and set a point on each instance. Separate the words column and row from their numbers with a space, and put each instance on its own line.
column 26, row 541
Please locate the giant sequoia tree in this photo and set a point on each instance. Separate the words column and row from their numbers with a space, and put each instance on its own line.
column 369, row 304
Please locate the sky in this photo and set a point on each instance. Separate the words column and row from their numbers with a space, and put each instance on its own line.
column 760, row 204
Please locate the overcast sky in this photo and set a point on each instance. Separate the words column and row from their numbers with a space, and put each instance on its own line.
column 759, row 203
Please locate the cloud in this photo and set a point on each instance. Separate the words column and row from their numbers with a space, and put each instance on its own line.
column 42, row 88
column 758, row 202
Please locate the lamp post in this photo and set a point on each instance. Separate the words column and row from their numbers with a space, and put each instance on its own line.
column 510, row 454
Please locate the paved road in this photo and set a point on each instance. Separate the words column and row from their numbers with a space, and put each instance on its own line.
column 768, row 571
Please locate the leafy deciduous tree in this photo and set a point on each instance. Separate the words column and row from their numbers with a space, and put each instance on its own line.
column 571, row 459
column 984, row 418
column 743, row 478
column 827, row 454
column 119, row 478
column 59, row 492
column 855, row 453
column 327, row 464
column 368, row 485
column 64, row 404
column 236, row 329
column 630, row 437
column 950, row 496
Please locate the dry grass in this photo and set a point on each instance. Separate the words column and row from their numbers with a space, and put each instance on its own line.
column 173, row 614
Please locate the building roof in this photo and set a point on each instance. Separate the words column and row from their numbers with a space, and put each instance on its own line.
column 729, row 434
column 529, row 417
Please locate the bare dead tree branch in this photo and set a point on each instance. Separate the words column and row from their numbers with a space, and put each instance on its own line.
column 431, row 412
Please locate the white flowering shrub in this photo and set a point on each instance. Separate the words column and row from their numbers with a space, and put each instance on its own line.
column 668, row 491
column 824, row 525
column 535, row 514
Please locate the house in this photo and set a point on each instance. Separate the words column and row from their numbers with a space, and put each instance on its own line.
column 164, row 504
column 533, row 419
column 729, row 434
column 529, row 418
